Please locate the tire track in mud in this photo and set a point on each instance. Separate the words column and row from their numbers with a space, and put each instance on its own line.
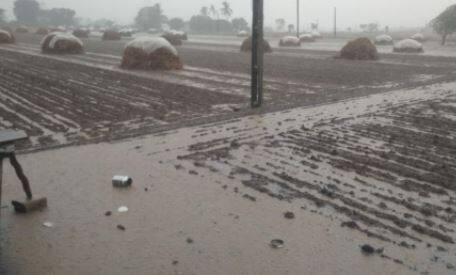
column 384, row 167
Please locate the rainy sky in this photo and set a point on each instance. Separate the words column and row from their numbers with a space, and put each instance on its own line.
column 351, row 13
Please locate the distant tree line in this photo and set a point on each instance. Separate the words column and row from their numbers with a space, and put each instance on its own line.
column 29, row 12
column 2, row 16
column 445, row 23
column 209, row 20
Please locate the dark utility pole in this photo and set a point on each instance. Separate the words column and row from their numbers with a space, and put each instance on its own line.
column 257, row 55
column 335, row 21
column 297, row 18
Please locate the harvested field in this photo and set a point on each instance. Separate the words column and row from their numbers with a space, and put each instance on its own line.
column 103, row 109
column 363, row 153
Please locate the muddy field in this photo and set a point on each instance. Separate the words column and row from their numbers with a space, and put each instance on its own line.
column 383, row 166
column 369, row 147
column 61, row 100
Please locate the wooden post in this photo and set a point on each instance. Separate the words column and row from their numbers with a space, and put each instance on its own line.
column 256, row 99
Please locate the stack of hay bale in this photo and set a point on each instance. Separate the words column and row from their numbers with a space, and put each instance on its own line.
column 151, row 53
column 61, row 43
column 111, row 35
column 306, row 38
column 408, row 46
column 42, row 31
column 243, row 34
column 175, row 37
column 290, row 41
column 418, row 37
column 81, row 33
column 383, row 40
column 6, row 37
column 247, row 46
column 359, row 49
column 22, row 29
column 316, row 34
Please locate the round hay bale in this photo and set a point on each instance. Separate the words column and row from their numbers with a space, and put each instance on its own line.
column 289, row 41
column 307, row 38
column 61, row 43
column 359, row 49
column 81, row 33
column 383, row 40
column 6, row 37
column 173, row 38
column 22, row 29
column 42, row 31
column 243, row 34
column 408, row 46
column 126, row 32
column 56, row 30
column 151, row 53
column 247, row 46
column 418, row 37
column 316, row 34
column 111, row 35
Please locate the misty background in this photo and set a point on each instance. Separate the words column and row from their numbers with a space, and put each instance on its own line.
column 351, row 13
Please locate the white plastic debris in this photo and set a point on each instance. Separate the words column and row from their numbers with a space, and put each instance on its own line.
column 122, row 209
column 48, row 224
column 122, row 181
column 151, row 44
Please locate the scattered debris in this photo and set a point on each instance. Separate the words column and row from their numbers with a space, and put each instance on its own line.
column 189, row 240
column 48, row 224
column 108, row 213
column 122, row 181
column 122, row 209
column 175, row 262
column 369, row 250
column 247, row 196
column 350, row 224
column 121, row 227
column 277, row 243
column 289, row 215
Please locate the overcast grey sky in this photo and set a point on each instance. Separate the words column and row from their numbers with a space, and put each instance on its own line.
column 395, row 13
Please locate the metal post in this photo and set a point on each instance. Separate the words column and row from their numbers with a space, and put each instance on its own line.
column 257, row 55
column 335, row 21
column 1, row 179
column 297, row 18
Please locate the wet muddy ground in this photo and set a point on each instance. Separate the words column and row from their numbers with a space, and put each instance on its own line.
column 362, row 154
column 375, row 171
